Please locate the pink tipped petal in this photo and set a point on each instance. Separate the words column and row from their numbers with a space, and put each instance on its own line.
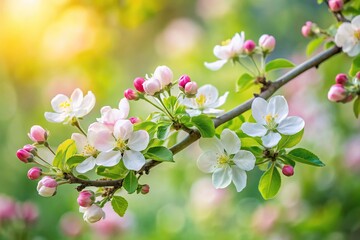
column 108, row 159
column 271, row 139
column 239, row 178
column 253, row 129
column 237, row 43
column 80, row 141
column 221, row 177
column 138, row 140
column 230, row 141
column 214, row 66
column 56, row 102
column 76, row 98
column 291, row 125
column 244, row 160
column 278, row 107
column 55, row 117
column 207, row 162
column 102, row 140
column 123, row 129
column 87, row 165
column 133, row 160
column 124, row 108
column 258, row 108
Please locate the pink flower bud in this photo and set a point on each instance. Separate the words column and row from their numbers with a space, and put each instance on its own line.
column 71, row 226
column 138, row 84
column 336, row 5
column 249, row 46
column 34, row 173
column 145, row 189
column 191, row 88
column 93, row 213
column 28, row 212
column 267, row 43
column 86, row 198
column 288, row 170
column 341, row 78
column 37, row 134
column 24, row 156
column 7, row 208
column 130, row 94
column 152, row 86
column 357, row 75
column 183, row 80
column 30, row 148
column 306, row 30
column 337, row 93
column 164, row 74
column 47, row 186
column 134, row 120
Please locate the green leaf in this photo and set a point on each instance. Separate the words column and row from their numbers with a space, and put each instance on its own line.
column 356, row 107
column 244, row 82
column 277, row 64
column 164, row 130
column 74, row 160
column 270, row 183
column 130, row 182
column 159, row 153
column 313, row 45
column 119, row 205
column 304, row 156
column 118, row 171
column 205, row 125
column 287, row 160
column 172, row 140
column 65, row 150
column 355, row 66
column 289, row 141
column 148, row 126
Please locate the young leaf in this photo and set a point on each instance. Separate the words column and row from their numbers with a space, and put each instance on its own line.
column 355, row 66
column 130, row 182
column 356, row 107
column 205, row 125
column 159, row 153
column 118, row 171
column 289, row 141
column 277, row 64
column 65, row 150
column 164, row 130
column 244, row 82
column 305, row 156
column 119, row 205
column 270, row 183
column 74, row 160
column 313, row 45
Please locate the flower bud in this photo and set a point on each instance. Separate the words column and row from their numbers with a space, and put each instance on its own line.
column 28, row 212
column 38, row 134
column 152, row 86
column 191, row 88
column 183, row 80
column 86, row 198
column 24, row 155
column 337, row 93
column 145, row 189
column 288, row 170
column 164, row 74
column 306, row 30
column 7, row 208
column 47, row 186
column 134, row 120
column 357, row 75
column 34, row 173
column 336, row 5
column 138, row 84
column 267, row 43
column 249, row 46
column 93, row 213
column 30, row 148
column 341, row 78
column 130, row 94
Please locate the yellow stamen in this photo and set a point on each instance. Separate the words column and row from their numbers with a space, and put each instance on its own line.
column 357, row 34
column 65, row 104
column 89, row 150
column 226, row 42
column 200, row 100
column 121, row 145
column 222, row 159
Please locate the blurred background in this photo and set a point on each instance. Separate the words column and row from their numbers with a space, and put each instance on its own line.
column 51, row 47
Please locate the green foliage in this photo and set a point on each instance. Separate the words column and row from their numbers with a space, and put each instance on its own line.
column 270, row 183
column 130, row 182
column 356, row 107
column 148, row 126
column 313, row 45
column 278, row 64
column 289, row 141
column 159, row 153
column 65, row 150
column 355, row 66
column 163, row 130
column 205, row 125
column 304, row 156
column 74, row 160
column 244, row 82
column 119, row 205
column 118, row 171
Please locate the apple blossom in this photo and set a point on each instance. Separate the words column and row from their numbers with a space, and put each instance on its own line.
column 30, row 148
column 164, row 75
column 130, row 94
column 34, row 173
column 267, row 43
column 134, row 120
column 271, row 120
column 341, row 78
column 183, row 80
column 206, row 101
column 145, row 189
column 47, row 186
column 336, row 5
column 86, row 198
column 66, row 109
column 28, row 212
column 93, row 213
column 288, row 170
column 337, row 93
column 152, row 86
column 109, row 116
column 38, row 134
column 191, row 88
column 306, row 30
column 348, row 37
column 7, row 208
column 138, row 84
column 249, row 46
column 24, row 156
column 225, row 160
column 230, row 49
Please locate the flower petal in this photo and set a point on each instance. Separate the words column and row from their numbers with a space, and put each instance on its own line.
column 56, row 102
column 253, row 129
column 213, row 111
column 55, row 117
column 88, row 103
column 291, row 125
column 138, row 140
column 100, row 137
column 80, row 141
column 221, row 177
column 230, row 141
column 278, row 108
column 219, row 102
column 133, row 160
column 193, row 112
column 207, row 161
column 123, row 129
column 214, row 66
column 356, row 22
column 258, row 108
column 271, row 139
column 213, row 144
column 239, row 178
column 76, row 98
column 86, row 165
column 223, row 52
column 245, row 160
column 237, row 43
column 108, row 159
column 124, row 108
column 355, row 50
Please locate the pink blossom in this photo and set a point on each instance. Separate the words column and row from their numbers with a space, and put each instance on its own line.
column 337, row 93
column 249, row 46
column 34, row 173
column 130, row 94
column 71, row 225
column 28, row 212
column 267, row 43
column 164, row 75
column 152, row 86
column 30, row 148
column 341, row 78
column 306, row 30
column 7, row 208
column 138, row 84
column 134, row 120
column 145, row 189
column 38, row 134
column 86, row 198
column 47, row 186
column 288, row 170
column 336, row 5
column 24, row 156
column 183, row 80
column 191, row 88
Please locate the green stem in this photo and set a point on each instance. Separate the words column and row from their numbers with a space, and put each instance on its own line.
column 256, row 66
column 76, row 123
column 162, row 103
column 156, row 106
column 259, row 163
column 46, row 144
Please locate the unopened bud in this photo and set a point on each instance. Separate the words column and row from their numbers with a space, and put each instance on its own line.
column 145, row 189
column 134, row 120
column 288, row 170
column 183, row 80
column 24, row 156
column 191, row 88
column 34, row 173
column 47, row 186
column 138, row 84
column 337, row 93
column 130, row 94
column 336, row 5
column 357, row 75
column 164, row 74
column 86, row 198
column 267, row 43
column 306, row 30
column 341, row 78
column 30, row 148
column 152, row 86
column 38, row 134
column 249, row 46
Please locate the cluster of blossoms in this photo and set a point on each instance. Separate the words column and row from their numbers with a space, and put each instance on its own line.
column 344, row 90
column 348, row 37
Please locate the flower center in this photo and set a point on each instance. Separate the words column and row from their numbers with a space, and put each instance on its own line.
column 226, row 42
column 89, row 150
column 65, row 105
column 121, row 145
column 270, row 121
column 223, row 159
column 200, row 100
column 357, row 34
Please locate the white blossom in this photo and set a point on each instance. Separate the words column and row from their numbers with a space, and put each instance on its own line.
column 348, row 37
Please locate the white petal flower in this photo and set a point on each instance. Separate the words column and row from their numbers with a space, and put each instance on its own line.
column 348, row 37
column 66, row 108
column 228, row 50
column 272, row 119
column 225, row 160
column 93, row 213
column 206, row 101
